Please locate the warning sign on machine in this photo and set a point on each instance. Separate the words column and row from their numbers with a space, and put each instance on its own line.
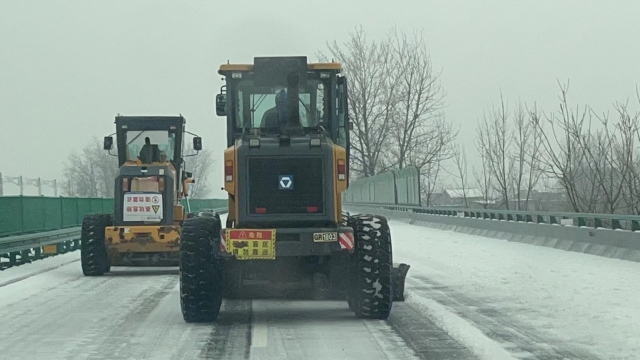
column 142, row 207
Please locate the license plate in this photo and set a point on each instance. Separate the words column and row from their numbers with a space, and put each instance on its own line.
column 251, row 244
column 325, row 237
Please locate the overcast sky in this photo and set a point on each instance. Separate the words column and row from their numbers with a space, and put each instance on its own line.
column 68, row 67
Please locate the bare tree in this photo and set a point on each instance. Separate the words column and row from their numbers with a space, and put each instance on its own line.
column 91, row 172
column 532, row 141
column 435, row 145
column 460, row 161
column 395, row 101
column 430, row 177
column 609, row 156
column 632, row 182
column 200, row 165
column 495, row 141
column 372, row 96
column 525, row 169
column 416, row 120
column 484, row 177
column 563, row 156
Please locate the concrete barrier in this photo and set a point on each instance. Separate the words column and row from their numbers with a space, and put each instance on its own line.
column 617, row 244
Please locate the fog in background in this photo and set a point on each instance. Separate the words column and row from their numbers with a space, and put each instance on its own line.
column 68, row 67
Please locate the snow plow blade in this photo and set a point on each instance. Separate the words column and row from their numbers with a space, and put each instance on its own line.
column 398, row 276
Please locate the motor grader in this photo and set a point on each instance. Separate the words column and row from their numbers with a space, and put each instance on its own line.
column 285, row 167
column 145, row 226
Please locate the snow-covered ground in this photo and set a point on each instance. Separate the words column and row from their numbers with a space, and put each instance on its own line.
column 531, row 301
column 21, row 272
column 502, row 300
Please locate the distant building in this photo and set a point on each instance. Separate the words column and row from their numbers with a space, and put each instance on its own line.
column 456, row 198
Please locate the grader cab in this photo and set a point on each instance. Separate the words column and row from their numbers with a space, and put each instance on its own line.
column 285, row 167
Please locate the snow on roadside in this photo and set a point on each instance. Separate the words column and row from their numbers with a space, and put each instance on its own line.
column 18, row 273
column 574, row 299
column 465, row 333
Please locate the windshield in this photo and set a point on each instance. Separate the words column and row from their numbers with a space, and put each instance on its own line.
column 256, row 106
column 161, row 142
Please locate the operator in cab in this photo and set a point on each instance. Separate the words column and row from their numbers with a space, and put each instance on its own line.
column 276, row 117
column 149, row 152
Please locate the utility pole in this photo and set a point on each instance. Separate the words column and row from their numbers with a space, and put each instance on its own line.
column 16, row 180
column 53, row 184
column 34, row 182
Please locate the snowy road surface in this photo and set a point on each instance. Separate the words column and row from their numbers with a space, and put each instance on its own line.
column 535, row 302
column 468, row 297
column 134, row 313
column 49, row 310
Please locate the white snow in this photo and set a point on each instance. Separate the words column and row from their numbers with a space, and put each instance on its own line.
column 471, row 286
column 459, row 329
column 571, row 299
column 21, row 272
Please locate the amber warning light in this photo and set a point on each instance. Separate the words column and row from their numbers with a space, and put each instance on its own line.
column 228, row 171
column 341, row 169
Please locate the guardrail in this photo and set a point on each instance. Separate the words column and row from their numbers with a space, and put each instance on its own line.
column 604, row 221
column 23, row 249
column 607, row 235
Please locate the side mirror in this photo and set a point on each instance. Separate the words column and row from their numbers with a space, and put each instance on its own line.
column 188, row 174
column 108, row 143
column 221, row 104
column 197, row 143
column 350, row 125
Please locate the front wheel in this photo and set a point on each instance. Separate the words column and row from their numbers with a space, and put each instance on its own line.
column 371, row 264
column 93, row 249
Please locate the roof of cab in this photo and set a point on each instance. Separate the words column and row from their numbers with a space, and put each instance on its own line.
column 249, row 67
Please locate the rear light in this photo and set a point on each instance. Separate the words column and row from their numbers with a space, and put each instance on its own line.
column 125, row 184
column 261, row 210
column 228, row 171
column 312, row 209
column 341, row 169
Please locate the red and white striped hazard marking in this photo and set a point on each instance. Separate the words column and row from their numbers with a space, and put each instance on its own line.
column 346, row 240
column 223, row 243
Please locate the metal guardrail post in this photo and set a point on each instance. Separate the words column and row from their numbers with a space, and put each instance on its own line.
column 597, row 223
column 615, row 224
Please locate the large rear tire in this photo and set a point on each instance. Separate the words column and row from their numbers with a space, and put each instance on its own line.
column 93, row 249
column 200, row 274
column 371, row 264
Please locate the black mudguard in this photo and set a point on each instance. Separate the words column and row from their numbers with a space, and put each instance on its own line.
column 398, row 276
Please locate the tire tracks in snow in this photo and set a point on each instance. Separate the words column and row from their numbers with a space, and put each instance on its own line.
column 520, row 340
column 230, row 337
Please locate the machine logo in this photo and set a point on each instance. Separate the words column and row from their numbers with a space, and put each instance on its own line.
column 285, row 182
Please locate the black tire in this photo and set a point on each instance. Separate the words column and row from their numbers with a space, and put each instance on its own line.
column 345, row 218
column 93, row 249
column 371, row 264
column 200, row 274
